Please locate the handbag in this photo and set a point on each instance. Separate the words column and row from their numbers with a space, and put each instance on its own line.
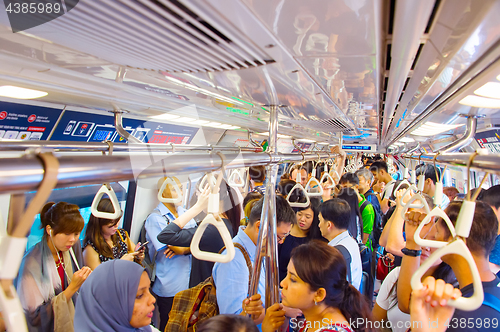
column 384, row 266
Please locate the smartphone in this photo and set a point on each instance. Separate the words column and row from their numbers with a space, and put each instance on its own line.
column 142, row 246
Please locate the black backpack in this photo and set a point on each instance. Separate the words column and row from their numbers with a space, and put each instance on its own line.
column 377, row 222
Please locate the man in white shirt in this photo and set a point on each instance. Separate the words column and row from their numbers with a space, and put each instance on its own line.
column 334, row 219
column 430, row 174
column 385, row 184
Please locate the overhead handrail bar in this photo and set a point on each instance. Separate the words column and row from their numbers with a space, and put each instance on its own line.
column 458, row 246
column 176, row 188
column 415, row 148
column 296, row 146
column 13, row 244
column 213, row 218
column 108, row 190
column 299, row 187
column 119, row 127
column 468, row 136
column 250, row 139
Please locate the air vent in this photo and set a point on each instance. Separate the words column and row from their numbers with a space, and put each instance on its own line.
column 155, row 35
column 328, row 125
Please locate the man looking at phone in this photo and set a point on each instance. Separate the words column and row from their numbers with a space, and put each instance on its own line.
column 173, row 264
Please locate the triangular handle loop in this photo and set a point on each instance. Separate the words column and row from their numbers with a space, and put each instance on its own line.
column 422, row 205
column 327, row 176
column 298, row 186
column 237, row 178
column 401, row 184
column 456, row 247
column 106, row 189
column 436, row 212
column 176, row 189
column 203, row 182
column 224, row 233
column 318, row 185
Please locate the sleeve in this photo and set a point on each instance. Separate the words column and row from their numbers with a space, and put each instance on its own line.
column 368, row 216
column 231, row 283
column 154, row 225
column 176, row 236
column 385, row 296
column 38, row 312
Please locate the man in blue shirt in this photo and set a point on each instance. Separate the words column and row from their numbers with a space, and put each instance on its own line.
column 334, row 219
column 172, row 274
column 232, row 279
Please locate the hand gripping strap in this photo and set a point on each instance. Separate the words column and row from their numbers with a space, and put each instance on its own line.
column 436, row 212
column 176, row 189
column 224, row 233
column 327, row 176
column 456, row 247
column 422, row 205
column 308, row 186
column 106, row 189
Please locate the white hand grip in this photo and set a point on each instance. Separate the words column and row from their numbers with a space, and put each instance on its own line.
column 114, row 201
column 422, row 205
column 465, row 217
column 406, row 173
column 456, row 247
column 313, row 173
column 421, row 182
column 335, row 173
column 436, row 212
column 325, row 177
column 298, row 204
column 413, row 176
column 226, row 237
column 401, row 184
column 236, row 179
column 12, row 311
column 203, row 182
column 176, row 189
column 438, row 194
column 325, row 168
column 308, row 186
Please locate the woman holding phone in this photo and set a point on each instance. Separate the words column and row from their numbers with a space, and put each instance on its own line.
column 104, row 241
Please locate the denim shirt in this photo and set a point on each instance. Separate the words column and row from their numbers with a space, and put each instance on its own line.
column 231, row 279
column 172, row 274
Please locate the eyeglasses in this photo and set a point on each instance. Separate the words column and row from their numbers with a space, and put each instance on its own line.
column 282, row 238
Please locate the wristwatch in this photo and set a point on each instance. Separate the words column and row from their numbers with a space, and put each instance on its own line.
column 411, row 252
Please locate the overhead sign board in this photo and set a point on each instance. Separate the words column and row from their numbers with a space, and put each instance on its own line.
column 359, row 147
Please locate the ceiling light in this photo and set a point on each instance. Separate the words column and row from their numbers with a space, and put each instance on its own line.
column 481, row 102
column 166, row 116
column 498, row 77
column 278, row 135
column 398, row 144
column 490, row 90
column 432, row 128
column 323, row 143
column 225, row 126
column 235, row 127
column 20, row 93
column 200, row 122
column 184, row 119
column 407, row 140
column 213, row 124
column 306, row 140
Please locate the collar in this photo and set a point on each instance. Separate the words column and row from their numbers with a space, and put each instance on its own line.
column 246, row 242
column 336, row 240
column 166, row 212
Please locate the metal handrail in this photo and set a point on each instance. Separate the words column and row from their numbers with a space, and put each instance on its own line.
column 487, row 162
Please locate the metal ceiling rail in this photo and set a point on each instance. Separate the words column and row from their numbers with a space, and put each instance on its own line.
column 25, row 173
column 485, row 163
column 117, row 147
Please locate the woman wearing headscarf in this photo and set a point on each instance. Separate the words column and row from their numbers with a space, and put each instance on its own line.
column 50, row 277
column 115, row 297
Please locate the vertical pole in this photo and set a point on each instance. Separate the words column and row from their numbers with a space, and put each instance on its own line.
column 267, row 246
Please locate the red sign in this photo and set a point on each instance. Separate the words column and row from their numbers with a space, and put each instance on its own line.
column 3, row 115
column 32, row 118
column 41, row 129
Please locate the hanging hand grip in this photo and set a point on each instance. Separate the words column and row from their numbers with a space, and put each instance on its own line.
column 456, row 247
column 236, row 176
column 327, row 176
column 422, row 205
column 298, row 204
column 308, row 186
column 421, row 182
column 436, row 212
column 106, row 189
column 401, row 184
column 176, row 189
column 224, row 233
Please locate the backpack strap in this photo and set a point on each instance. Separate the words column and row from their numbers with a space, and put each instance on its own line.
column 347, row 255
column 492, row 301
column 247, row 260
column 365, row 204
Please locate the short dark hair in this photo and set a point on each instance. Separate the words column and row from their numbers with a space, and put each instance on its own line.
column 349, row 178
column 429, row 171
column 492, row 196
column 284, row 212
column 228, row 323
column 62, row 217
column 257, row 173
column 484, row 227
column 337, row 211
column 377, row 165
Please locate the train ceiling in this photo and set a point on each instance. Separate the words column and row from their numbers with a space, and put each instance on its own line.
column 371, row 70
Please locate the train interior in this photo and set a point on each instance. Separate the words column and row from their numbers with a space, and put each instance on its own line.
column 292, row 80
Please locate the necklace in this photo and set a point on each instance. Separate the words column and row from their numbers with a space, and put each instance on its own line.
column 60, row 262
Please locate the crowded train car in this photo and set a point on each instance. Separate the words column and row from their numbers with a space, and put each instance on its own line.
column 249, row 165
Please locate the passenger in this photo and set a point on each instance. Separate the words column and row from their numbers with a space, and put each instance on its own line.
column 285, row 186
column 451, row 192
column 228, row 323
column 350, row 180
column 172, row 272
column 385, row 184
column 316, row 284
column 257, row 179
column 303, row 175
column 116, row 297
column 355, row 227
column 480, row 242
column 492, row 198
column 334, row 219
column 104, row 241
column 248, row 202
column 303, row 230
column 232, row 279
column 365, row 178
column 175, row 233
column 430, row 182
column 49, row 278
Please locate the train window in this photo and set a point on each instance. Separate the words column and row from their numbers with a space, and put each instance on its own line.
column 81, row 196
